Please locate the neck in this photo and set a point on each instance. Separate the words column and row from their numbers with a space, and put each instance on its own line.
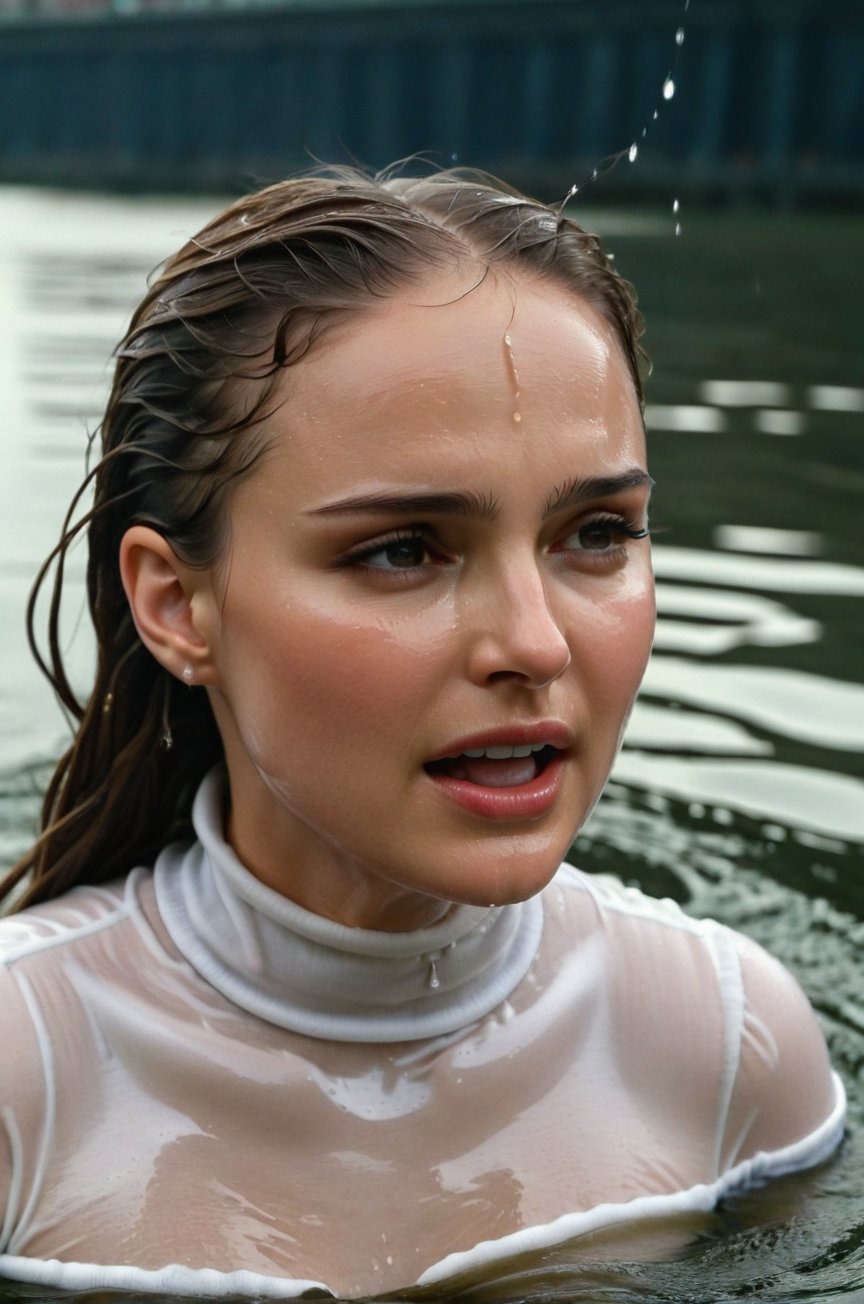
column 341, row 892
column 319, row 977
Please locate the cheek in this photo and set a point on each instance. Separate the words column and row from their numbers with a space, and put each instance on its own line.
column 618, row 643
column 319, row 679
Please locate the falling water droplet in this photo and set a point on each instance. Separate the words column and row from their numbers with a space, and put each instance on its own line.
column 677, row 228
column 632, row 152
column 679, row 36
column 675, row 205
column 654, row 116
column 434, row 980
column 668, row 88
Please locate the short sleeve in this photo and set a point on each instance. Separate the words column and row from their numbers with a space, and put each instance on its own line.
column 787, row 1108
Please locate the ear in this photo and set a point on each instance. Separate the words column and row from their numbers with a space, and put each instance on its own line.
column 173, row 605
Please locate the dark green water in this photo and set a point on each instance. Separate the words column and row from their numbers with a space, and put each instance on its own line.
column 740, row 790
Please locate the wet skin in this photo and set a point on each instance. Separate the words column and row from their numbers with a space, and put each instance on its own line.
column 353, row 639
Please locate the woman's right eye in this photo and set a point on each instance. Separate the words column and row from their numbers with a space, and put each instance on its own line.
column 403, row 552
column 398, row 554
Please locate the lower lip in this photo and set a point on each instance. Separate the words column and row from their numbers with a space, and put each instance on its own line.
column 526, row 801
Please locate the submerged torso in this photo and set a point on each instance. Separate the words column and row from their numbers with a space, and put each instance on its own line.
column 159, row 1117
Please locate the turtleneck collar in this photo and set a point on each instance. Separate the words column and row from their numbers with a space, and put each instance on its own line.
column 313, row 976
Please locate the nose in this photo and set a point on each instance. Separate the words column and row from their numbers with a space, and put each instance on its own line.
column 515, row 633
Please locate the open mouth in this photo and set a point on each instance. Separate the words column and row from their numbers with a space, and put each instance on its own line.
column 496, row 767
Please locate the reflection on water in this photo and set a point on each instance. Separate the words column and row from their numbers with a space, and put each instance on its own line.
column 740, row 789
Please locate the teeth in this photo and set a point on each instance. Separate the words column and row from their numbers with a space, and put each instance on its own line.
column 504, row 753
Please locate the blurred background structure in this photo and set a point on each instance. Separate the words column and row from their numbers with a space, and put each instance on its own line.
column 766, row 100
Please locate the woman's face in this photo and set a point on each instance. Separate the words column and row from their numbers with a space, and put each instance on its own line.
column 436, row 562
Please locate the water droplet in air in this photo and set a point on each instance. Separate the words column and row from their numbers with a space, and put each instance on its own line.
column 668, row 88
column 679, row 36
column 454, row 158
column 654, row 116
column 632, row 152
column 675, row 205
column 434, row 980
column 677, row 228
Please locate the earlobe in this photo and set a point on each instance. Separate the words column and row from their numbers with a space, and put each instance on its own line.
column 168, row 601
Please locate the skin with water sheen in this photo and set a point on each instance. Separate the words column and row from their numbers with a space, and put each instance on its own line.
column 413, row 573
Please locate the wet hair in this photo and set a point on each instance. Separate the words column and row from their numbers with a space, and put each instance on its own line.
column 234, row 308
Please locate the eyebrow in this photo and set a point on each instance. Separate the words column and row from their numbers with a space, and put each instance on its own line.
column 484, row 506
column 580, row 488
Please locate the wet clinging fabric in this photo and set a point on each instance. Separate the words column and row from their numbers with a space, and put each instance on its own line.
column 208, row 1090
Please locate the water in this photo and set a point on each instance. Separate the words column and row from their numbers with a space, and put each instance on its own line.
column 740, row 791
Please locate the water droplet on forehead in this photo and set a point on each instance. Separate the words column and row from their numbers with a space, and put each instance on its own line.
column 632, row 152
column 668, row 88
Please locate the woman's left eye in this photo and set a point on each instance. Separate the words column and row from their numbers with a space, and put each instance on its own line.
column 603, row 535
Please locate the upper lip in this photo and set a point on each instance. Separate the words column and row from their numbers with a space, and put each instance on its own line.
column 551, row 732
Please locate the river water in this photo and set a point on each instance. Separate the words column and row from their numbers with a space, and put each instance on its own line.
column 740, row 789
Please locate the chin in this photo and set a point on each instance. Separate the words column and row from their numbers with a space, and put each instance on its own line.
column 509, row 876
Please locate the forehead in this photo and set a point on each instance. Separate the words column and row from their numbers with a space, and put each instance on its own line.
column 461, row 367
column 431, row 329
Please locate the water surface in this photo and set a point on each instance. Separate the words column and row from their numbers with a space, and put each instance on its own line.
column 740, row 790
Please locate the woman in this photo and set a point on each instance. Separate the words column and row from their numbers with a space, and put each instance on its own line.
column 300, row 995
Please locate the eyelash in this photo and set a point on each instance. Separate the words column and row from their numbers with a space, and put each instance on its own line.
column 616, row 525
column 358, row 559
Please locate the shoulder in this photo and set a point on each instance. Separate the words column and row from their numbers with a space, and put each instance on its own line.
column 630, row 910
column 730, row 1011
column 45, row 953
column 53, row 927
column 786, row 1101
column 657, row 970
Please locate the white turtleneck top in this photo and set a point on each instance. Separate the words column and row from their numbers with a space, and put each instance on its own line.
column 206, row 1090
